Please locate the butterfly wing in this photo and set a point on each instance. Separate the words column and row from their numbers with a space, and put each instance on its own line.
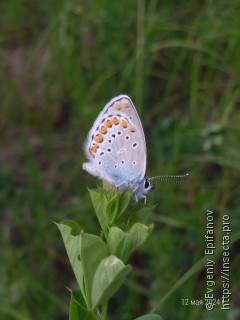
column 115, row 145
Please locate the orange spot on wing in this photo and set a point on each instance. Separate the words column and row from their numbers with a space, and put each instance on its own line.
column 124, row 123
column 115, row 121
column 93, row 149
column 117, row 107
column 103, row 130
column 91, row 152
column 132, row 129
column 99, row 138
column 108, row 123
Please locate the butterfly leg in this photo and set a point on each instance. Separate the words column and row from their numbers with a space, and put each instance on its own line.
column 135, row 198
column 145, row 199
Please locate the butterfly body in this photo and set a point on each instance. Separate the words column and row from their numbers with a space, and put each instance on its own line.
column 116, row 148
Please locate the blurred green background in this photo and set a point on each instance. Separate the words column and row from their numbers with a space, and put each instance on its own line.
column 61, row 62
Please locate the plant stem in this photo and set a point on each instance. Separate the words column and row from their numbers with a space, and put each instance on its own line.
column 104, row 311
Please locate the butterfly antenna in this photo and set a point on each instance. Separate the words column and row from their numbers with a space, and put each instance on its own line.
column 169, row 177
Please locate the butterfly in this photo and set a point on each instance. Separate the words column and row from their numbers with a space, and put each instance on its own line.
column 116, row 148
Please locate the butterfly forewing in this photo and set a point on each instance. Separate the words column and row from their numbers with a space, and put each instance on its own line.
column 116, row 144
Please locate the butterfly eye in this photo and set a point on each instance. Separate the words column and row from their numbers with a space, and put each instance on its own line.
column 146, row 184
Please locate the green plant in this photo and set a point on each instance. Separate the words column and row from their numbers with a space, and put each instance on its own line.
column 99, row 262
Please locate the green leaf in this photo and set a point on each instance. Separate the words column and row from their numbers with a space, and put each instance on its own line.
column 136, row 236
column 115, row 241
column 76, row 228
column 109, row 276
column 122, row 244
column 149, row 317
column 109, row 205
column 117, row 204
column 139, row 213
column 78, row 310
column 93, row 250
column 72, row 242
column 124, row 200
column 112, row 210
column 109, row 188
column 99, row 201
